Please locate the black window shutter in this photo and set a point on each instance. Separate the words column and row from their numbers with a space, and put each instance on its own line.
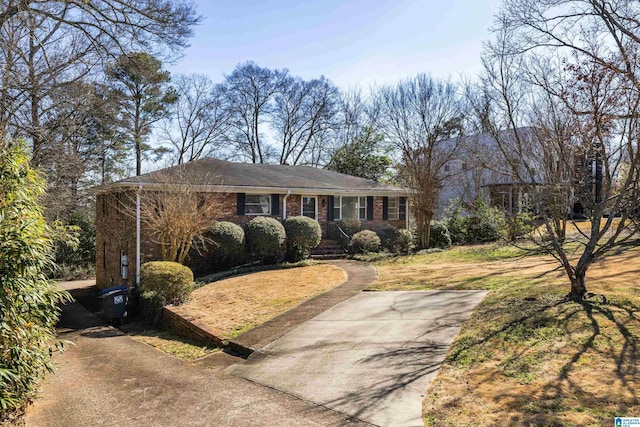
column 402, row 207
column 275, row 204
column 369, row 208
column 240, row 204
column 385, row 208
column 331, row 205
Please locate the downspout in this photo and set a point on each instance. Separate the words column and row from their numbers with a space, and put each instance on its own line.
column 406, row 214
column 284, row 205
column 138, row 234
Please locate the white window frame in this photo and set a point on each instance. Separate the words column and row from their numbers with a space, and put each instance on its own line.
column 262, row 204
column 361, row 207
column 315, row 204
column 393, row 212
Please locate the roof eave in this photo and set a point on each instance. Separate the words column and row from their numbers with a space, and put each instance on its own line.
column 249, row 189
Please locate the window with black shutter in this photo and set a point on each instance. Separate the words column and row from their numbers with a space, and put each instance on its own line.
column 402, row 208
column 240, row 204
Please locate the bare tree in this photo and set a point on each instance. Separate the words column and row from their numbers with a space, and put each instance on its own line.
column 84, row 146
column 421, row 117
column 303, row 112
column 177, row 216
column 47, row 44
column 250, row 90
column 566, row 69
column 199, row 119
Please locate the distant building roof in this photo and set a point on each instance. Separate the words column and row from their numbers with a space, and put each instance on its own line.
column 220, row 175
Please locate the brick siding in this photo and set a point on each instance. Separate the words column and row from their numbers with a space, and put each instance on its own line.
column 116, row 230
column 176, row 321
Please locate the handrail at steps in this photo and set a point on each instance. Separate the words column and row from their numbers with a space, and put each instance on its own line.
column 344, row 239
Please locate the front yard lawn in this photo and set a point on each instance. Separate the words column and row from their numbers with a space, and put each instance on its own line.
column 233, row 306
column 525, row 357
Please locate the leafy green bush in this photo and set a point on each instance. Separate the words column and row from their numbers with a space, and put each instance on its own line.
column 481, row 229
column 28, row 302
column 403, row 241
column 150, row 305
column 228, row 247
column 484, row 224
column 519, row 225
column 456, row 222
column 82, row 254
column 350, row 226
column 439, row 235
column 396, row 240
column 364, row 241
column 265, row 238
column 303, row 234
column 387, row 238
column 169, row 281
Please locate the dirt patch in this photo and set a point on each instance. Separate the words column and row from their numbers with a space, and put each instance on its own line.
column 235, row 305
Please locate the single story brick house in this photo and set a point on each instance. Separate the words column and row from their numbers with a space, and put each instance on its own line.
column 244, row 191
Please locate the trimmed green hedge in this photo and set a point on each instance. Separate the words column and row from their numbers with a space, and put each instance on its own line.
column 265, row 238
column 303, row 234
column 365, row 241
column 228, row 247
column 169, row 281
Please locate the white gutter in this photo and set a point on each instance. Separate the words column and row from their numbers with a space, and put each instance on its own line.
column 284, row 205
column 138, row 234
column 258, row 189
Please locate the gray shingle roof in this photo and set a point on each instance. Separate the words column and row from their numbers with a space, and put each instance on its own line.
column 215, row 172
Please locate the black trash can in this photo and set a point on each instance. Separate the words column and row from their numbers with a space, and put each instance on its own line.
column 114, row 303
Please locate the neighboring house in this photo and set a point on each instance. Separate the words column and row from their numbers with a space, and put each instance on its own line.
column 243, row 191
column 481, row 169
column 504, row 174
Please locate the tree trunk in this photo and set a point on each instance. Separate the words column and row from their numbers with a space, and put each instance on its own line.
column 578, row 288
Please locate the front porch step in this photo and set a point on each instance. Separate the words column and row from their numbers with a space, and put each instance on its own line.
column 321, row 257
column 328, row 249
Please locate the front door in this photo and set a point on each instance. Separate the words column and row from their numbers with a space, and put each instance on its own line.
column 310, row 206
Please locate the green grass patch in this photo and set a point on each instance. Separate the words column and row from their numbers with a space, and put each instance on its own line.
column 240, row 329
column 168, row 342
column 523, row 367
column 472, row 254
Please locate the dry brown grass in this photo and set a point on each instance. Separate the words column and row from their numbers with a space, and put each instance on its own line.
column 525, row 357
column 232, row 306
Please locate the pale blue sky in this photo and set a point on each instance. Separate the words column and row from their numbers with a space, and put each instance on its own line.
column 351, row 42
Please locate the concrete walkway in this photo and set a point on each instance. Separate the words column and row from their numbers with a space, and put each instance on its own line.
column 359, row 276
column 370, row 357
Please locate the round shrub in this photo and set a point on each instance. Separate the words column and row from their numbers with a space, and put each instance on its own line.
column 365, row 241
column 265, row 238
column 171, row 282
column 303, row 234
column 387, row 238
column 350, row 226
column 403, row 241
column 481, row 230
column 228, row 246
column 439, row 235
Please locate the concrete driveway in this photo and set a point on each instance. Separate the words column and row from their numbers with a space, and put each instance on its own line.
column 370, row 357
column 108, row 379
